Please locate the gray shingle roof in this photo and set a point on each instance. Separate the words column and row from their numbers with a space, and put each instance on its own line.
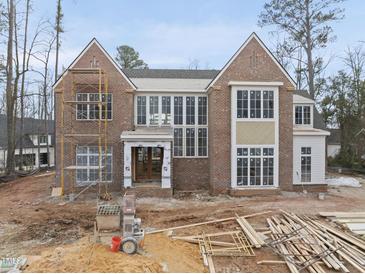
column 317, row 117
column 31, row 127
column 171, row 73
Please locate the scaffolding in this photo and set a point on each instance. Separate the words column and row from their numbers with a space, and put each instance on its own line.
column 93, row 132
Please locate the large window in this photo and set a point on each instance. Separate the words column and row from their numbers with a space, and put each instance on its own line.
column 202, row 142
column 302, row 115
column 190, row 110
column 178, row 110
column 268, row 104
column 154, row 116
column 178, row 142
column 255, row 166
column 255, row 104
column 187, row 115
column 89, row 106
column 87, row 161
column 202, row 110
column 166, row 110
column 242, row 104
column 141, row 110
column 190, row 142
column 306, row 164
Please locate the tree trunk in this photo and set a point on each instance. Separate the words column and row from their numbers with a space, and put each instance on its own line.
column 22, row 91
column 308, row 50
column 9, row 91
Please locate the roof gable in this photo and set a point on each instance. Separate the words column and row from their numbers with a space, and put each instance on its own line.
column 230, row 61
column 88, row 46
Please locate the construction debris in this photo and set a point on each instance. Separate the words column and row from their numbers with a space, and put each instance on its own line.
column 355, row 221
column 253, row 236
column 207, row 222
column 303, row 242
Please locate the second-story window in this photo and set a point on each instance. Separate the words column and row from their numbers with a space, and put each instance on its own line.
column 268, row 104
column 255, row 104
column 42, row 139
column 302, row 115
column 166, row 110
column 178, row 110
column 154, row 110
column 89, row 106
column 202, row 110
column 242, row 104
column 190, row 110
column 141, row 110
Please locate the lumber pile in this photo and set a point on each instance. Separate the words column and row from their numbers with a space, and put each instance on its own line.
column 222, row 244
column 308, row 244
column 255, row 239
column 206, row 223
column 355, row 221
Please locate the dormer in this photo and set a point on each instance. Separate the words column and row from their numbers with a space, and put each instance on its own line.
column 303, row 107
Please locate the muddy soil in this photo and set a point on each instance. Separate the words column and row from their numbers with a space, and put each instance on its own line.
column 33, row 223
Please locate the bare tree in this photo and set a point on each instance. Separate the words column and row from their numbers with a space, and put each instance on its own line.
column 45, row 84
column 355, row 62
column 10, row 96
column 307, row 23
column 22, row 90
column 59, row 30
column 194, row 64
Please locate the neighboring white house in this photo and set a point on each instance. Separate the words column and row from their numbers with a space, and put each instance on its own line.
column 35, row 139
column 309, row 149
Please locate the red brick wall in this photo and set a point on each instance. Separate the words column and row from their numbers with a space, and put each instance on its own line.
column 122, row 115
column 190, row 174
column 241, row 69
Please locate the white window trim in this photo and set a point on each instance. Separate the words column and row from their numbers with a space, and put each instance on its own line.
column 87, row 103
column 234, row 145
column 305, row 155
column 261, row 164
column 196, row 126
column 253, row 88
column 83, row 183
column 302, row 125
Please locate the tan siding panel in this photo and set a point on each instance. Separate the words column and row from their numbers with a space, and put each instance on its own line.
column 255, row 133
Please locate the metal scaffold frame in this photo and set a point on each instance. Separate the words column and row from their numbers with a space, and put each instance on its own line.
column 84, row 79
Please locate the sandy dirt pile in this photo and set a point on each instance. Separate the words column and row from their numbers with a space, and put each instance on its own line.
column 176, row 256
column 160, row 254
column 84, row 256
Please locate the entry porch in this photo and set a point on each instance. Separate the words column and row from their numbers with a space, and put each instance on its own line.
column 147, row 157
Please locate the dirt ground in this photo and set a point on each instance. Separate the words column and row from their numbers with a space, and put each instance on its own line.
column 33, row 223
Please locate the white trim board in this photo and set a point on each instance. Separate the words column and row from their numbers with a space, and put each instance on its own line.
column 234, row 119
column 171, row 90
column 251, row 83
column 92, row 42
column 252, row 36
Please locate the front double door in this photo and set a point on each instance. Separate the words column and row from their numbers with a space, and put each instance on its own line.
column 147, row 163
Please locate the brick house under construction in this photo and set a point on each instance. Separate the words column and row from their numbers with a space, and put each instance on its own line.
column 241, row 130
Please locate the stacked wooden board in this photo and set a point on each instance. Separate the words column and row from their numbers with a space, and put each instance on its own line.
column 355, row 221
column 314, row 246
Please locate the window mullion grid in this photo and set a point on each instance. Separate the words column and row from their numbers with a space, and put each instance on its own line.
column 159, row 105
column 196, row 124
column 148, row 110
column 261, row 104
column 172, row 110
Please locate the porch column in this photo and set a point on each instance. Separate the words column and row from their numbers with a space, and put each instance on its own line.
column 166, row 166
column 127, row 169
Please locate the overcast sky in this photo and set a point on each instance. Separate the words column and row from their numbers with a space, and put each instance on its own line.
column 169, row 34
